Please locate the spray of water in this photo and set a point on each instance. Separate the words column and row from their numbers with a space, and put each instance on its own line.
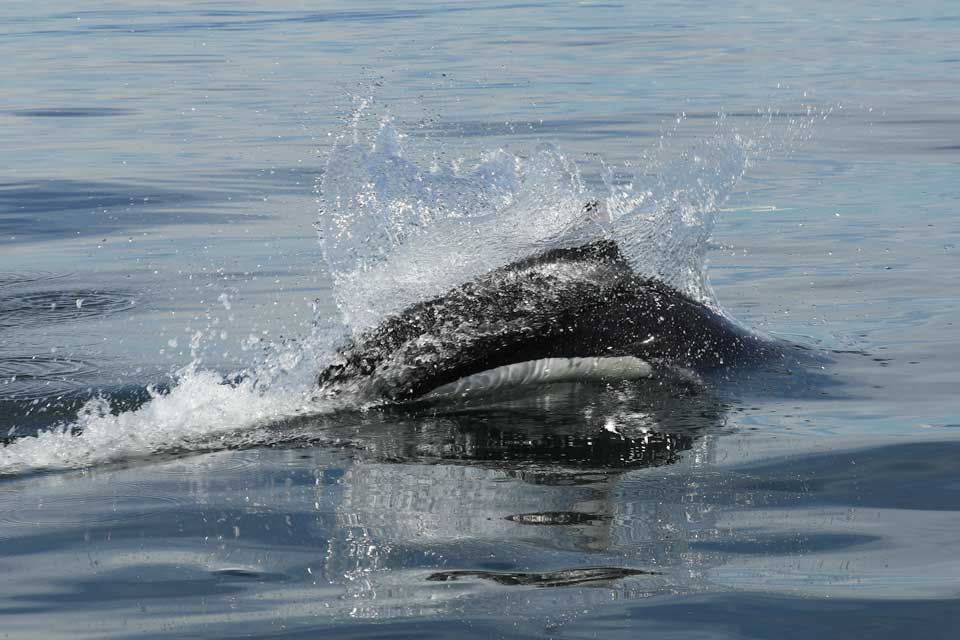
column 394, row 232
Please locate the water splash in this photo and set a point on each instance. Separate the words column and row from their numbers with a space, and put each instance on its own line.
column 394, row 231
column 663, row 214
column 202, row 410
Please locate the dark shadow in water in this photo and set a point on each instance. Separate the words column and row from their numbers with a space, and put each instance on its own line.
column 750, row 615
column 116, row 589
column 797, row 543
column 49, row 196
column 72, row 112
column 919, row 476
column 177, row 21
column 48, row 208
column 183, row 522
column 564, row 578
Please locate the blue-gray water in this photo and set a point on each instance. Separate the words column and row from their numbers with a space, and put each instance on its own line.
column 158, row 166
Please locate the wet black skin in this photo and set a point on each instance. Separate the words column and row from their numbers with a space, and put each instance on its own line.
column 574, row 302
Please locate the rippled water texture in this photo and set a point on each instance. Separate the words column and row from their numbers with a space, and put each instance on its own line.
column 166, row 303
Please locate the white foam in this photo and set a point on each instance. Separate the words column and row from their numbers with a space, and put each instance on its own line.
column 201, row 411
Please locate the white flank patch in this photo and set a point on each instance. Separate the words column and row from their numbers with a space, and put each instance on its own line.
column 546, row 371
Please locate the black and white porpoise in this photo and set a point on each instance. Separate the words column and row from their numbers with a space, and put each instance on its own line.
column 563, row 315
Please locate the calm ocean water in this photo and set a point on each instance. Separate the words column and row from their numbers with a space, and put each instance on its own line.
column 158, row 236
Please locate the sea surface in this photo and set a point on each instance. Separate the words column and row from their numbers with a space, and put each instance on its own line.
column 199, row 200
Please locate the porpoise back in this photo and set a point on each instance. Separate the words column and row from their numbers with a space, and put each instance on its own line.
column 575, row 303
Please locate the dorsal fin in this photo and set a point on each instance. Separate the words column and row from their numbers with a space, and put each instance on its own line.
column 604, row 250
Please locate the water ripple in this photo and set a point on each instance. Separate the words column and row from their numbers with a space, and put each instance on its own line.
column 70, row 507
column 216, row 463
column 40, row 376
column 71, row 112
column 20, row 278
column 60, row 306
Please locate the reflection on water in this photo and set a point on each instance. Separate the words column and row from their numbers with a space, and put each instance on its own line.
column 493, row 491
column 580, row 428
column 401, row 513
column 576, row 496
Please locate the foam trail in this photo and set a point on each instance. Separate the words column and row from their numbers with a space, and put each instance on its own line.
column 203, row 410
column 200, row 412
